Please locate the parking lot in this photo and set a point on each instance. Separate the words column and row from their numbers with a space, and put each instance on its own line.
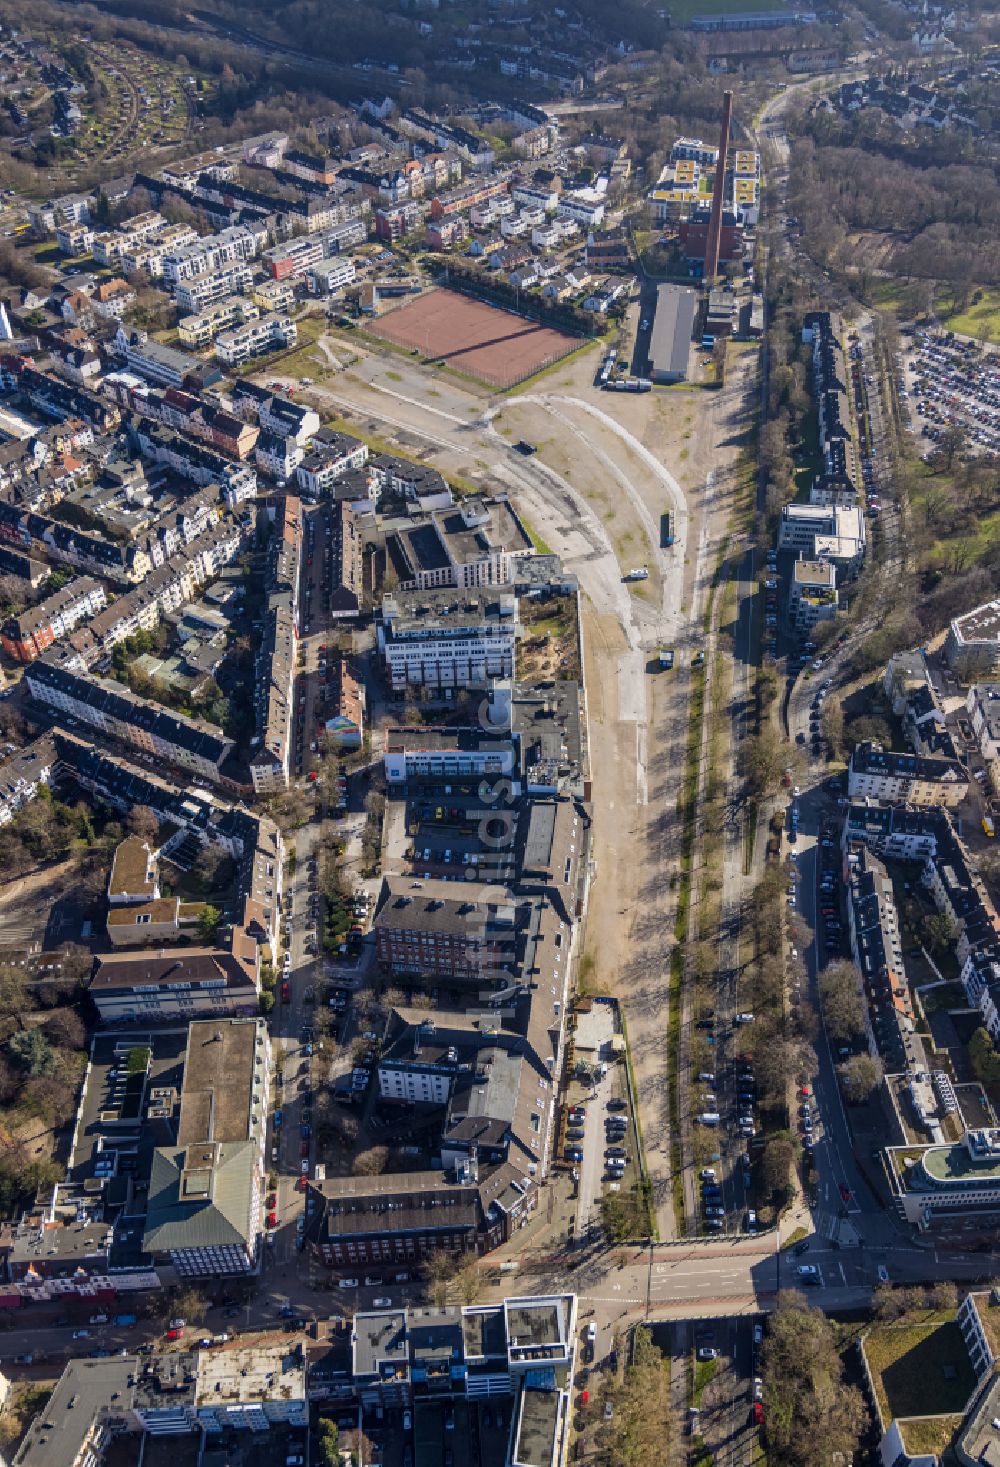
column 451, row 837
column 954, row 384
column 726, row 1408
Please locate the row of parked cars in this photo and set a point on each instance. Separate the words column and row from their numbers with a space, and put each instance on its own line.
column 828, row 889
column 616, row 1123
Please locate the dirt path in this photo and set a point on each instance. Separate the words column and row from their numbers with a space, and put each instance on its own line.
column 23, row 914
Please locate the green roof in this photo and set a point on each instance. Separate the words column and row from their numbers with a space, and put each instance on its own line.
column 200, row 1196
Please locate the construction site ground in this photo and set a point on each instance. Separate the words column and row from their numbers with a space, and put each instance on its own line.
column 606, row 468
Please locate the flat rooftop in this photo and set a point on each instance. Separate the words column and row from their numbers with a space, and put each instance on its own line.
column 218, row 1072
column 484, row 1333
column 980, row 625
column 380, row 1344
column 167, row 1379
column 57, row 1436
column 814, row 573
column 443, row 740
column 537, row 1428
column 954, row 1164
column 538, row 1323
column 255, row 1372
column 133, row 870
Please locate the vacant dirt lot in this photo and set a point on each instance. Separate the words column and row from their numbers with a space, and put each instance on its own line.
column 493, row 345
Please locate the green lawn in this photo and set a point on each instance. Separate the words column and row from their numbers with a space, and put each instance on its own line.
column 919, row 1369
column 981, row 320
column 540, row 545
column 704, row 1372
column 890, row 294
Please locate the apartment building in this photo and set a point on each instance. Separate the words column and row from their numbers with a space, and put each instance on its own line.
column 438, row 754
column 133, row 879
column 980, row 977
column 446, row 233
column 55, row 399
column 168, row 586
column 110, row 246
column 346, row 727
column 585, row 207
column 201, row 291
column 456, row 936
column 328, row 276
column 517, row 1356
column 205, row 256
column 972, row 647
column 27, row 636
column 112, row 299
column 172, row 984
column 201, row 329
column 202, row 419
column 195, row 461
column 876, row 947
column 491, row 211
column 291, row 261
column 955, row 886
column 396, row 221
column 477, row 542
column 74, row 239
column 812, row 595
column 255, row 338
column 277, row 458
column 880, row 774
column 274, row 675
column 822, row 533
column 125, row 564
column 275, row 413
column 438, row 639
column 204, row 1211
column 119, row 714
column 145, row 256
column 983, row 707
column 198, row 818
column 82, row 1418
column 331, row 455
column 23, row 774
column 948, row 873
column 461, row 200
column 164, row 365
column 273, row 295
column 310, row 167
column 527, row 196
column 829, row 382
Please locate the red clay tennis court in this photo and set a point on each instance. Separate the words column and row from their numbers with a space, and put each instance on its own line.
column 490, row 344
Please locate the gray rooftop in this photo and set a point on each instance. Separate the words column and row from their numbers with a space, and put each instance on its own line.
column 670, row 342
column 86, row 1390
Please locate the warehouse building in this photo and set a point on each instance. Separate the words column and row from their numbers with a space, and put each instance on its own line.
column 670, row 343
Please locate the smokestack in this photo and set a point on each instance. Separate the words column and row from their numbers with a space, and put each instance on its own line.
column 718, row 193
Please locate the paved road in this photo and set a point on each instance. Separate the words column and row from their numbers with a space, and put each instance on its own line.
column 735, row 892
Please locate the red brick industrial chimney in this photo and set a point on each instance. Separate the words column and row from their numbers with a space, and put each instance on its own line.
column 718, row 193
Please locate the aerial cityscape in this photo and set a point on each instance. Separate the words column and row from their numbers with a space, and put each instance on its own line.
column 499, row 734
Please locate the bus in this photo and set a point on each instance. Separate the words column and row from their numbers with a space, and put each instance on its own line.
column 988, row 827
column 666, row 528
